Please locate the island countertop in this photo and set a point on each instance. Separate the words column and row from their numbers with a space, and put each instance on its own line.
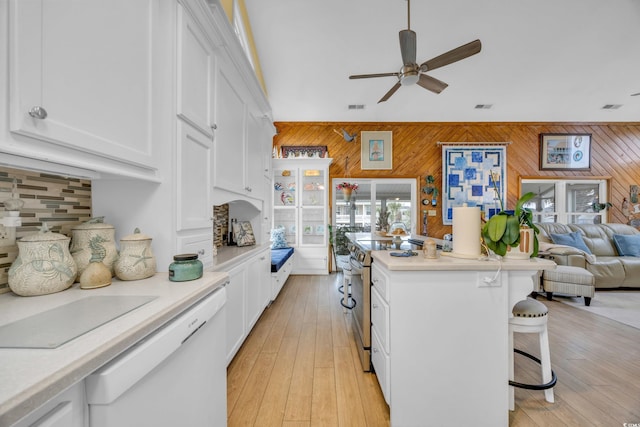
column 30, row 377
column 445, row 262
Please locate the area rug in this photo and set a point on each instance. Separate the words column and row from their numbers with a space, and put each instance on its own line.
column 621, row 306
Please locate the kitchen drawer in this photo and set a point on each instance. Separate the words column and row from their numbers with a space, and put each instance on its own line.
column 380, row 281
column 381, row 364
column 380, row 317
column 201, row 244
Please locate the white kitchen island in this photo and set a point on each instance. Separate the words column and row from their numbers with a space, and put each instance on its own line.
column 440, row 336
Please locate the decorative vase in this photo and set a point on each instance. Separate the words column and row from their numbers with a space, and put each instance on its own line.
column 136, row 260
column 346, row 193
column 43, row 266
column 90, row 236
column 525, row 248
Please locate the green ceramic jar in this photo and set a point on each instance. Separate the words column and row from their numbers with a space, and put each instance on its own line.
column 185, row 267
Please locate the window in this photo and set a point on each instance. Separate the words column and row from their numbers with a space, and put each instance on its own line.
column 396, row 197
column 566, row 201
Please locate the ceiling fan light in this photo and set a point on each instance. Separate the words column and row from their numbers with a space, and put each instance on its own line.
column 410, row 79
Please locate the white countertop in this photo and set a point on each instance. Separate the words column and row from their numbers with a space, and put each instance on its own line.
column 230, row 256
column 419, row 262
column 30, row 377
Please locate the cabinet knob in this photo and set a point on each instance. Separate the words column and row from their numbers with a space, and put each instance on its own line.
column 214, row 126
column 201, row 252
column 38, row 113
column 375, row 305
column 375, row 350
column 247, row 188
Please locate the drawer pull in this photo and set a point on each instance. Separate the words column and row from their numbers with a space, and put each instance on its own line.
column 375, row 305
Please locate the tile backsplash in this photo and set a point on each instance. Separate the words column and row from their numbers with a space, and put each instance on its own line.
column 59, row 201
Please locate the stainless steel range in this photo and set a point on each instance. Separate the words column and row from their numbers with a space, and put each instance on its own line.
column 360, row 247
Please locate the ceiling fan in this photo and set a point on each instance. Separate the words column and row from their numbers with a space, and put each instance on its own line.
column 411, row 72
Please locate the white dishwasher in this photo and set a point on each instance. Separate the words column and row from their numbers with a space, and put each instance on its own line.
column 176, row 376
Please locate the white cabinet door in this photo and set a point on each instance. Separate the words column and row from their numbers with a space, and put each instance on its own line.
column 89, row 66
column 258, row 287
column 193, row 157
column 68, row 409
column 255, row 158
column 196, row 73
column 229, row 152
column 236, row 309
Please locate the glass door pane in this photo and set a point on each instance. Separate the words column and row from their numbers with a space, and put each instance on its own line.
column 579, row 200
column 312, row 195
column 393, row 206
column 543, row 205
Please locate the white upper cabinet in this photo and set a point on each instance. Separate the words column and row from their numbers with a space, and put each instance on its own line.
column 229, row 141
column 193, row 154
column 196, row 74
column 81, row 75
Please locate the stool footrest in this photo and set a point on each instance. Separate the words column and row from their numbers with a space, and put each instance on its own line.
column 546, row 386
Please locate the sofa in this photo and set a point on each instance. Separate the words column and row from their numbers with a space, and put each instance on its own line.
column 602, row 258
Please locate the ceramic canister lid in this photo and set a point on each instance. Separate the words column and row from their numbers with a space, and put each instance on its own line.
column 137, row 235
column 96, row 223
column 44, row 235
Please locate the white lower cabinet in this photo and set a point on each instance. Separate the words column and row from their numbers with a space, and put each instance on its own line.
column 248, row 293
column 236, row 309
column 258, row 287
column 68, row 409
column 381, row 361
column 380, row 349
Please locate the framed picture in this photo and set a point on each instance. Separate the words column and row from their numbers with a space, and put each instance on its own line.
column 376, row 150
column 302, row 151
column 565, row 151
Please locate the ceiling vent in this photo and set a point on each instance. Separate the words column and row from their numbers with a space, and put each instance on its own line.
column 356, row 106
column 611, row 106
column 483, row 106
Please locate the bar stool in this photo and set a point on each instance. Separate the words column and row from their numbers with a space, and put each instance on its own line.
column 530, row 316
column 344, row 263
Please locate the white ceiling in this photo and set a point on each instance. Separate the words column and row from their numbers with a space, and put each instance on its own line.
column 541, row 60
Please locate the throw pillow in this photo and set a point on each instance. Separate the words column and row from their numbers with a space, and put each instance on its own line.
column 243, row 233
column 627, row 245
column 571, row 239
column 278, row 239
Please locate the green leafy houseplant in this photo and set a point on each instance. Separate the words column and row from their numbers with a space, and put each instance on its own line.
column 597, row 207
column 503, row 229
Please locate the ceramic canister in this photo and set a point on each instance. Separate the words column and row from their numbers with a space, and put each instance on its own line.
column 93, row 236
column 136, row 260
column 43, row 266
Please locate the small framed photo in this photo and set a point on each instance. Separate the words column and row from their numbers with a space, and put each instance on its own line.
column 376, row 150
column 565, row 151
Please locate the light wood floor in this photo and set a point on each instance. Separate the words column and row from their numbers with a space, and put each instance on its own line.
column 299, row 367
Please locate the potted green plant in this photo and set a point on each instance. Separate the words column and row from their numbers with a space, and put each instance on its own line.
column 503, row 230
column 597, row 206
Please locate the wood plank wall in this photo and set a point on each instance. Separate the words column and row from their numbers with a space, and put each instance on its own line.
column 615, row 152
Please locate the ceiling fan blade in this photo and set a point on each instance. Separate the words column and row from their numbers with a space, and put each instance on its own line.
column 368, row 76
column 452, row 56
column 391, row 92
column 431, row 83
column 408, row 46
